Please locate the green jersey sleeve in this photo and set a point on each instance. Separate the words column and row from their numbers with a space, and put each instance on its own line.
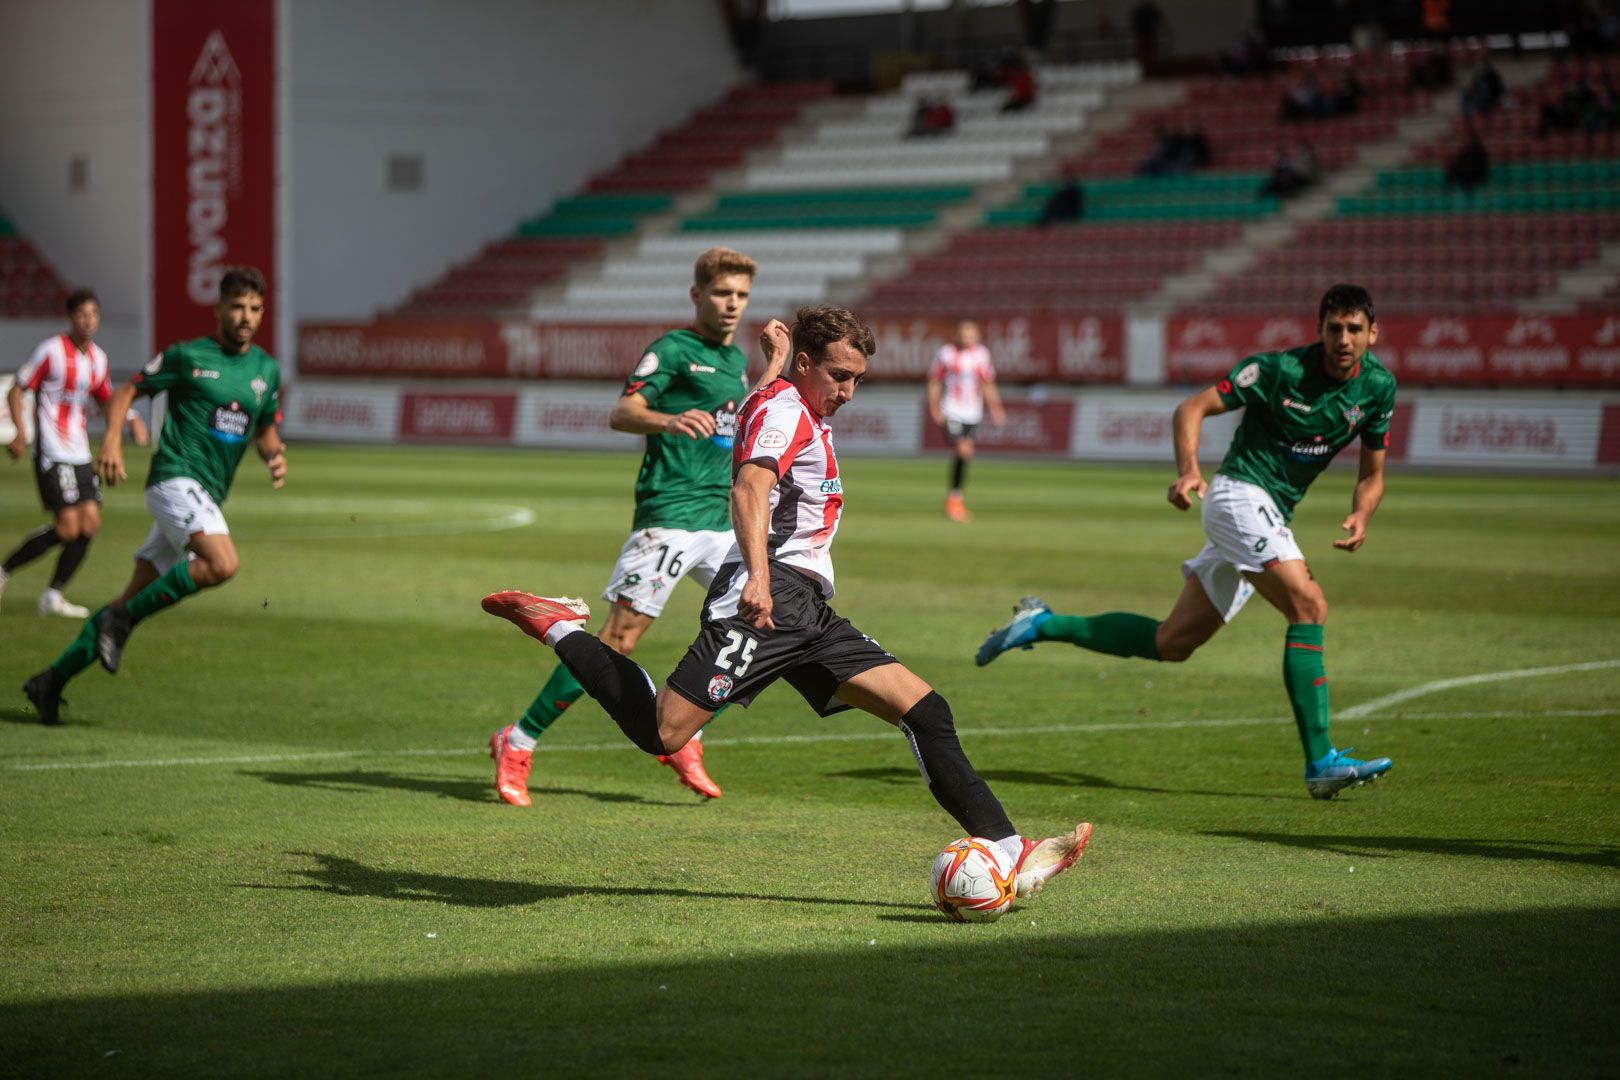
column 163, row 372
column 653, row 374
column 1251, row 382
column 1375, row 432
column 271, row 413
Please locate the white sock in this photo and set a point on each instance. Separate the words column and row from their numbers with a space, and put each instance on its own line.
column 49, row 592
column 561, row 629
column 518, row 739
column 1012, row 845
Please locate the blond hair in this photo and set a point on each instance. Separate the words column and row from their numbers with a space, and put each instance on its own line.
column 719, row 261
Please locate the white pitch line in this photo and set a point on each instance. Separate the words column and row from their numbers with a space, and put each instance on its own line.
column 1357, row 712
column 760, row 740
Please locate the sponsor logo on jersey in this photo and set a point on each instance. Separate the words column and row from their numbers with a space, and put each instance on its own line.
column 1314, row 449
column 1297, row 406
column 720, row 688
column 774, row 439
column 230, row 424
column 834, row 486
column 204, row 373
column 699, row 367
column 1248, row 376
column 648, row 365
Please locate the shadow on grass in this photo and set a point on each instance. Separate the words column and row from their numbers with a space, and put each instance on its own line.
column 478, row 791
column 348, row 877
column 1528, row 992
column 1379, row 847
column 894, row 774
column 27, row 715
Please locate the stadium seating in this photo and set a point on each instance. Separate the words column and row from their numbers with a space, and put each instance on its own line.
column 29, row 288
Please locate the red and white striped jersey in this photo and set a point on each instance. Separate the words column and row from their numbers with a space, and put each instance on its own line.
column 63, row 379
column 776, row 429
column 963, row 373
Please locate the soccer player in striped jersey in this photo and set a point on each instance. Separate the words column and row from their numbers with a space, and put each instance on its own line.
column 766, row 617
column 1301, row 407
column 961, row 384
column 65, row 373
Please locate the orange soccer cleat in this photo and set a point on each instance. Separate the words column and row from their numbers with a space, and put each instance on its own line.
column 956, row 509
column 688, row 765
column 511, row 769
column 1043, row 860
column 534, row 615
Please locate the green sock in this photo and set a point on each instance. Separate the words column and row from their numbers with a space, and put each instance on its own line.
column 173, row 587
column 82, row 653
column 1305, row 676
column 1117, row 633
column 560, row 691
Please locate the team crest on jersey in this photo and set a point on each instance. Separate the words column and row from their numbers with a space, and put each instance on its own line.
column 1353, row 416
column 774, row 439
column 720, row 688
column 648, row 365
column 1247, row 377
column 259, row 387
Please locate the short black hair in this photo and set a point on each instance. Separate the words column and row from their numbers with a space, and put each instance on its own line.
column 79, row 296
column 1345, row 300
column 241, row 279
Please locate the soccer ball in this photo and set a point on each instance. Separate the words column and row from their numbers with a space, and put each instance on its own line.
column 973, row 880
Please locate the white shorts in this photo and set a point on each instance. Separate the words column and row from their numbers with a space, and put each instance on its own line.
column 180, row 509
column 653, row 560
column 1247, row 533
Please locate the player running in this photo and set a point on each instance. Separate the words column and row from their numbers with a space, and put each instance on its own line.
column 683, row 397
column 961, row 383
column 64, row 373
column 766, row 615
column 1301, row 407
column 223, row 393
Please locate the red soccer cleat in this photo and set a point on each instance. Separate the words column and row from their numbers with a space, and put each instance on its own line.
column 511, row 769
column 688, row 765
column 1043, row 860
column 956, row 509
column 534, row 615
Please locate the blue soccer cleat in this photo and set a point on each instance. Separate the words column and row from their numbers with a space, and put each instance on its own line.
column 1019, row 633
column 1326, row 777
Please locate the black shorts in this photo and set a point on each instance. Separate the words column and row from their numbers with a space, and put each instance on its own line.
column 956, row 429
column 62, row 486
column 813, row 647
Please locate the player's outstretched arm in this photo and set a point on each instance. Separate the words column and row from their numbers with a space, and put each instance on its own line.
column 632, row 413
column 274, row 452
column 992, row 401
column 1368, row 494
column 750, row 507
column 776, row 342
column 1186, row 425
column 19, row 445
column 110, row 461
column 935, row 414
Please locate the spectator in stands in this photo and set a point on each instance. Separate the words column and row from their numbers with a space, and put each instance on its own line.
column 1251, row 55
column 1484, row 90
column 1147, row 24
column 1570, row 111
column 1346, row 101
column 1176, row 153
column 1470, row 166
column 1066, row 203
column 1294, row 171
column 1305, row 100
column 1432, row 72
column 1196, row 152
column 933, row 116
column 1020, row 84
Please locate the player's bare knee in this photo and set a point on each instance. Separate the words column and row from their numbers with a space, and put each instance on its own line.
column 1311, row 608
column 964, row 450
column 221, row 568
column 619, row 641
column 1175, row 650
column 67, row 530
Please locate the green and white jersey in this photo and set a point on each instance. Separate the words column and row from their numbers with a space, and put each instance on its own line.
column 1296, row 417
column 218, row 402
column 685, row 483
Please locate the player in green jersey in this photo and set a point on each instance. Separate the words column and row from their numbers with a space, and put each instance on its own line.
column 683, row 396
column 1301, row 407
column 223, row 394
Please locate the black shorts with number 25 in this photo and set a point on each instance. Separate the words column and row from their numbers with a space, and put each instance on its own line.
column 813, row 647
column 62, row 486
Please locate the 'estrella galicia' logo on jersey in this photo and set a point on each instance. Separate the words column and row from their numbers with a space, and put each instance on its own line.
column 1297, row 406
column 834, row 486
column 1353, row 416
column 230, row 425
column 720, row 688
column 1304, row 451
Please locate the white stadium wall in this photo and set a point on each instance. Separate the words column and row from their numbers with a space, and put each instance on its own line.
column 508, row 105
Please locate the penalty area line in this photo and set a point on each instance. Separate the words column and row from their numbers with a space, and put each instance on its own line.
column 1367, row 708
column 772, row 740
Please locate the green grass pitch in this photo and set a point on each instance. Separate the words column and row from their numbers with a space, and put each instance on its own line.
column 269, row 847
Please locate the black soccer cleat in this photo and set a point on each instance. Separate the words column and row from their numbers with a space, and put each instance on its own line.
column 113, row 627
column 45, row 691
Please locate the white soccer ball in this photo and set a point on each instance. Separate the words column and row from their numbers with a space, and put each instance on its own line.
column 973, row 880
